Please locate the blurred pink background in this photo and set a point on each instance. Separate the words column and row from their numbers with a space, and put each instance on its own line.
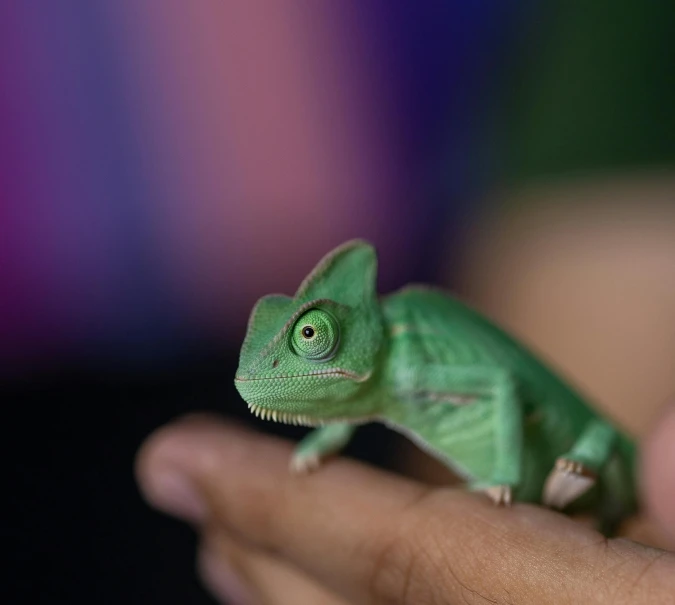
column 164, row 164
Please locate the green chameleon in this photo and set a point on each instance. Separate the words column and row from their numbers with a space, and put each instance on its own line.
column 336, row 355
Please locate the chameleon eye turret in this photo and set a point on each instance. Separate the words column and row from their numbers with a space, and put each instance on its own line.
column 316, row 336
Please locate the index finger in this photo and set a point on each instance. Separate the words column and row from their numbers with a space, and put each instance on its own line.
column 369, row 535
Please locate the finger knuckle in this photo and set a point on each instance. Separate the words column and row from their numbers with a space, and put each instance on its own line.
column 393, row 569
column 403, row 569
column 417, row 560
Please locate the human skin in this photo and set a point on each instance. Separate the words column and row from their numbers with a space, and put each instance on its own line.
column 354, row 534
column 581, row 270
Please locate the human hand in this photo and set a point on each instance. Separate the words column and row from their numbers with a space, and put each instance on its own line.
column 353, row 534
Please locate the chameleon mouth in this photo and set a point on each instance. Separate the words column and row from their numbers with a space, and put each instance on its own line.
column 327, row 373
column 304, row 419
column 284, row 417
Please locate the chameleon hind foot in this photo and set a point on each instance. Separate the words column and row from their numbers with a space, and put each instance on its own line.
column 567, row 481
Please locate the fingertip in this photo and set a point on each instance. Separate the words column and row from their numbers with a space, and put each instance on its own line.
column 658, row 472
column 159, row 443
column 169, row 458
column 174, row 441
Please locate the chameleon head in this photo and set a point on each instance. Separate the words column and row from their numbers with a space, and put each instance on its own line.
column 310, row 358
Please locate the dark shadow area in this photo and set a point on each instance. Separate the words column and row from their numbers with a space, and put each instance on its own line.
column 79, row 530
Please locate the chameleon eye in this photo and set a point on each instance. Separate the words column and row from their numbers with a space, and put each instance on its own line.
column 316, row 335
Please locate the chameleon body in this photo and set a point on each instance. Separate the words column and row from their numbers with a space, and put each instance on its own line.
column 337, row 355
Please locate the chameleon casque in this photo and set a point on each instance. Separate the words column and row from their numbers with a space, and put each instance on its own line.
column 337, row 355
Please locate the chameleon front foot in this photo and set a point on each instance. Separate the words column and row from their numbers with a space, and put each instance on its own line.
column 319, row 444
column 568, row 481
column 303, row 463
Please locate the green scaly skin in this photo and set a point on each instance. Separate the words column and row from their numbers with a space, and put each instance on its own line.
column 336, row 356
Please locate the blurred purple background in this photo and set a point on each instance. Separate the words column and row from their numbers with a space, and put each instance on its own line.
column 166, row 163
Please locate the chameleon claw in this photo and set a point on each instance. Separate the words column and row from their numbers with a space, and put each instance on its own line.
column 499, row 494
column 303, row 464
column 567, row 481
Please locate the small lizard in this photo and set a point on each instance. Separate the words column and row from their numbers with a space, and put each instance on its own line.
column 336, row 355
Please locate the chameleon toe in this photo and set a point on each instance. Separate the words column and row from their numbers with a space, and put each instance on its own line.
column 499, row 494
column 304, row 464
column 567, row 481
